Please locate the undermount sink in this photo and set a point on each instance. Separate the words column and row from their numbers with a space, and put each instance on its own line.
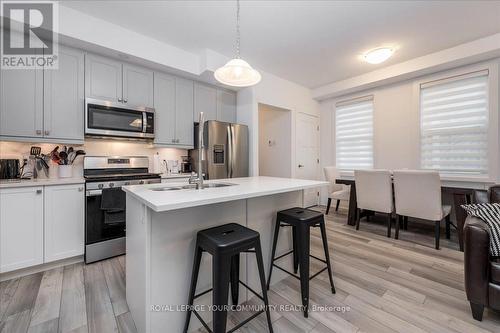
column 166, row 189
column 191, row 187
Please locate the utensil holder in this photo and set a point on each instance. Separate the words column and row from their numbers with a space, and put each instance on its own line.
column 65, row 171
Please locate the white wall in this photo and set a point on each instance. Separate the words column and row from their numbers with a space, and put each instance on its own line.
column 276, row 92
column 93, row 147
column 396, row 123
column 275, row 144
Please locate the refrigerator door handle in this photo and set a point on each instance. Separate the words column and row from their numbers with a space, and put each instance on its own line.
column 233, row 150
column 229, row 159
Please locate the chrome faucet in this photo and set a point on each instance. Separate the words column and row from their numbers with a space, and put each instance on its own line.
column 198, row 180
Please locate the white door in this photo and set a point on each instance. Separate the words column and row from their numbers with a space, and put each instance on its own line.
column 21, row 228
column 307, row 153
column 64, row 221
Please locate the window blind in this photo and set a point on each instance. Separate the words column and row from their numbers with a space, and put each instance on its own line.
column 354, row 134
column 454, row 125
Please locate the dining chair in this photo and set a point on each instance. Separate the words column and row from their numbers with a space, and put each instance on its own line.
column 374, row 193
column 339, row 192
column 418, row 194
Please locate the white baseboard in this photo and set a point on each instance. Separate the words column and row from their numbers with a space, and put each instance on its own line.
column 40, row 268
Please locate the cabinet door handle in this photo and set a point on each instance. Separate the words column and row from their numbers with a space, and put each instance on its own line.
column 125, row 101
column 38, row 191
column 47, row 132
column 173, row 140
column 119, row 99
column 38, row 132
column 301, row 166
column 80, row 189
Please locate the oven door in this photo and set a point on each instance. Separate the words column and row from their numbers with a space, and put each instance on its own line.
column 97, row 228
column 112, row 119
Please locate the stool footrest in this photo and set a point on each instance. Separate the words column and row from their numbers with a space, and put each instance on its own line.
column 203, row 293
column 202, row 321
column 283, row 255
column 251, row 290
column 245, row 321
column 240, row 324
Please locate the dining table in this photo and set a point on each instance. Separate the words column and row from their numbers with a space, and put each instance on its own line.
column 462, row 193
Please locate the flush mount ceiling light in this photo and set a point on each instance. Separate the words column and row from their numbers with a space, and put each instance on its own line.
column 378, row 55
column 237, row 72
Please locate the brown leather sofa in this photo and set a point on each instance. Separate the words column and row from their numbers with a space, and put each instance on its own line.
column 482, row 274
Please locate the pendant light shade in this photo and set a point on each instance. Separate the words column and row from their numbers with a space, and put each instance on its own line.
column 237, row 72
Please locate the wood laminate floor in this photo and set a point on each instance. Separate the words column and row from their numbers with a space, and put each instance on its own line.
column 383, row 285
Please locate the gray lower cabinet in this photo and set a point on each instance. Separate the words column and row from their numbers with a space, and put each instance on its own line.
column 63, row 103
column 137, row 85
column 103, row 78
column 205, row 100
column 173, row 102
column 226, row 106
column 44, row 104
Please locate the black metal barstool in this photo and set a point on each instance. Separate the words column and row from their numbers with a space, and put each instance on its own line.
column 225, row 243
column 301, row 220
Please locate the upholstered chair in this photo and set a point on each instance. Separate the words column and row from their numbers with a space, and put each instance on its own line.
column 338, row 192
column 418, row 194
column 374, row 193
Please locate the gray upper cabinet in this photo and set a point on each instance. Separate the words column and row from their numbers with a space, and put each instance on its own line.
column 173, row 102
column 103, row 78
column 205, row 100
column 21, row 103
column 137, row 85
column 226, row 106
column 64, row 97
column 184, row 107
column 44, row 104
column 164, row 103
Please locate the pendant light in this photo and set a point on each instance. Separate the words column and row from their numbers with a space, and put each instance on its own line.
column 237, row 72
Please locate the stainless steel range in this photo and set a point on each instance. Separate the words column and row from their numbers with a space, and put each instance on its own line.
column 105, row 201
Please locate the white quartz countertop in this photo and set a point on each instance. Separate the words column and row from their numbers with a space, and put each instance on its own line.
column 40, row 182
column 248, row 187
column 175, row 175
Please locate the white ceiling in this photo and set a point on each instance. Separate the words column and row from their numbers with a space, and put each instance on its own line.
column 309, row 42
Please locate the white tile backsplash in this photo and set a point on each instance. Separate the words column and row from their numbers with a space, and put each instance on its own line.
column 95, row 147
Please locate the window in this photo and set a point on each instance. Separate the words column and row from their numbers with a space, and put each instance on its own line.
column 354, row 134
column 454, row 125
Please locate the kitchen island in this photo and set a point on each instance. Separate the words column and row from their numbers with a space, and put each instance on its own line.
column 162, row 222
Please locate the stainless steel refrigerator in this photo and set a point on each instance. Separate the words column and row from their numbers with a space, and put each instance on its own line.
column 225, row 153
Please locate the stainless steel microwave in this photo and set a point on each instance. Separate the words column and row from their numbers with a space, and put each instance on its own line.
column 109, row 119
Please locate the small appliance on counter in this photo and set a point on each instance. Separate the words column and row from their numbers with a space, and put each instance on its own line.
column 186, row 166
column 9, row 169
